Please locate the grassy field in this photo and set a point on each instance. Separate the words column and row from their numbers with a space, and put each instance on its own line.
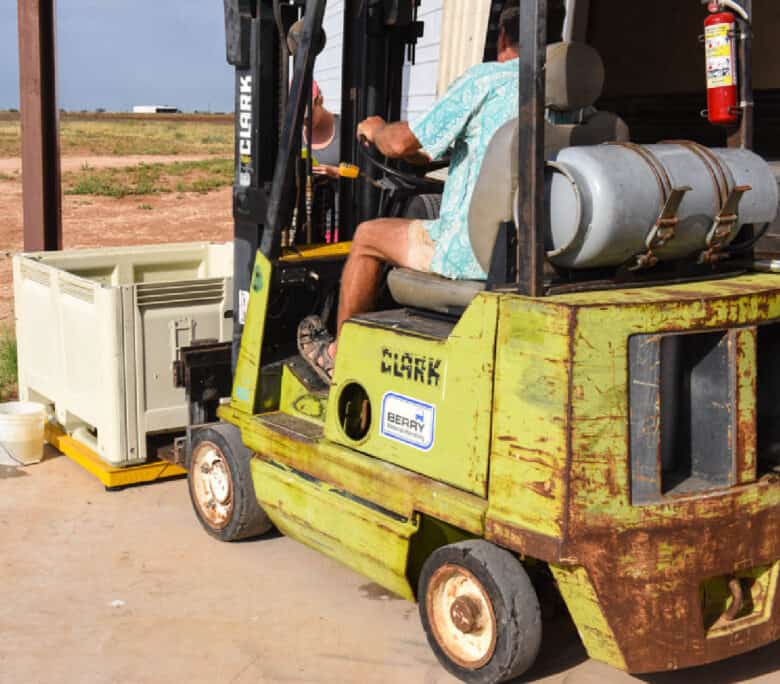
column 114, row 135
column 120, row 136
column 150, row 179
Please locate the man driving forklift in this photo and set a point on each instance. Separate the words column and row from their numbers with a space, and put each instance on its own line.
column 464, row 120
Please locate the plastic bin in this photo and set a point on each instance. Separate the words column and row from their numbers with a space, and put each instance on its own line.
column 99, row 330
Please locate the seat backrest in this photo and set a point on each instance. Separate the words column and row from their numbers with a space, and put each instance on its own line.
column 575, row 78
column 575, row 81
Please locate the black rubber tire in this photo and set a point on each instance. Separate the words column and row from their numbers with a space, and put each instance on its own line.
column 247, row 518
column 515, row 604
column 424, row 207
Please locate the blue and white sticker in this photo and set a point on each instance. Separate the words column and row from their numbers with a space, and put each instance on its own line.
column 408, row 421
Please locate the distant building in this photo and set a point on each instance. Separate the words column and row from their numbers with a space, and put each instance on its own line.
column 155, row 109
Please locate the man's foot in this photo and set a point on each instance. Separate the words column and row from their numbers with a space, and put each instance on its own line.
column 316, row 346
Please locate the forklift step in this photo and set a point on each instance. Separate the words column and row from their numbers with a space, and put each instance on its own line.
column 425, row 323
column 291, row 426
column 307, row 377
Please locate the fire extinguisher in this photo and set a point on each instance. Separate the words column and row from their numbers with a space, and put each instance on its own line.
column 720, row 39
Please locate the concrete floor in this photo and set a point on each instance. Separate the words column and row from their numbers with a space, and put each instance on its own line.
column 125, row 587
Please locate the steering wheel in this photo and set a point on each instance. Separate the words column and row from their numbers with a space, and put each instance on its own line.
column 409, row 181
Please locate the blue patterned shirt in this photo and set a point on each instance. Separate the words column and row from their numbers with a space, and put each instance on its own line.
column 465, row 119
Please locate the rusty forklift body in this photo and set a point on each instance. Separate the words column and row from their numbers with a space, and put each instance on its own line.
column 618, row 431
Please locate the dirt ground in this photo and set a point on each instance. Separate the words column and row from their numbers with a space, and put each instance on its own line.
column 102, row 587
column 103, row 221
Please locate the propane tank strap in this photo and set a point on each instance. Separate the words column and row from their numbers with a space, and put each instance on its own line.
column 714, row 166
column 658, row 169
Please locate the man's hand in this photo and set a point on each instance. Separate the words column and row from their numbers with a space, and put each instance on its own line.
column 394, row 140
column 326, row 170
column 367, row 130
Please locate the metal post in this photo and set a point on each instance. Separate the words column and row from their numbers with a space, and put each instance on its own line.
column 42, row 199
column 530, row 258
column 742, row 136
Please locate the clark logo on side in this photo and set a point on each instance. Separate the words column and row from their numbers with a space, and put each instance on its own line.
column 245, row 132
column 423, row 369
column 408, row 421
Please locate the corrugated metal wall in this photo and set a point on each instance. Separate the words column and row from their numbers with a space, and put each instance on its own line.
column 463, row 31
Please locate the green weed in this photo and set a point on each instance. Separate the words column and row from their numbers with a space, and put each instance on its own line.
column 150, row 179
column 8, row 364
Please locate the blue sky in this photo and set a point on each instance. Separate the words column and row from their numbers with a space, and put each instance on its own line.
column 117, row 53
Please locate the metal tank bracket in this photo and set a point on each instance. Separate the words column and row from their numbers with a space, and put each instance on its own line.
column 724, row 228
column 663, row 230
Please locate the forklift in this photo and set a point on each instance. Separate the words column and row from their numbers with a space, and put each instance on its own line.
column 600, row 413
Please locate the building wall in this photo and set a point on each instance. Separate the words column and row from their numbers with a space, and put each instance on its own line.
column 419, row 80
column 327, row 70
column 655, row 49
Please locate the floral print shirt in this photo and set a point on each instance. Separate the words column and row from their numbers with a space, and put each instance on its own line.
column 464, row 120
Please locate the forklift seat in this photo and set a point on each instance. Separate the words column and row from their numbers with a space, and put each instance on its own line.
column 575, row 78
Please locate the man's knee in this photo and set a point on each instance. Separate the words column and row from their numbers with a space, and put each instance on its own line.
column 366, row 234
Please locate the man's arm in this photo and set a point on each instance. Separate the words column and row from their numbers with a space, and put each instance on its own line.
column 394, row 140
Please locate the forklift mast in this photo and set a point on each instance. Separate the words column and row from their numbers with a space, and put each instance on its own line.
column 269, row 120
column 253, row 49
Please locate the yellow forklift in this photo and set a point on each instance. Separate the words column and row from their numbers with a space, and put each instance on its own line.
column 601, row 411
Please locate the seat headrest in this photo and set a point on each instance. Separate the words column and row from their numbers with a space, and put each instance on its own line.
column 575, row 76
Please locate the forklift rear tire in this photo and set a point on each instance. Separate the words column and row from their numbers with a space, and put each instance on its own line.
column 480, row 612
column 220, row 485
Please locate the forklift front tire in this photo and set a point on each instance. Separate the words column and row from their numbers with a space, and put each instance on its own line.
column 480, row 612
column 220, row 485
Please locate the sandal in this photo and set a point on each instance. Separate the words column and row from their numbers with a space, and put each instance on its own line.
column 314, row 342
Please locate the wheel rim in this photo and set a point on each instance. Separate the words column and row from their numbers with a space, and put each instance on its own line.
column 461, row 616
column 212, row 485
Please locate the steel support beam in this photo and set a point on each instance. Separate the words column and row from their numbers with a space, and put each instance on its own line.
column 42, row 198
column 533, row 39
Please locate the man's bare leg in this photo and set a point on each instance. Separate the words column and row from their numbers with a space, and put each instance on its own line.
column 377, row 242
column 394, row 241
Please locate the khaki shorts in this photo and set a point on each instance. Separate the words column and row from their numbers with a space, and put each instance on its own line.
column 421, row 248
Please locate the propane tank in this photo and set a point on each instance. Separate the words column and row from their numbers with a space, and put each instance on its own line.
column 720, row 36
column 603, row 201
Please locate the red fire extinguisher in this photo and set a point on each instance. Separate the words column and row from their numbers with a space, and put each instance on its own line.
column 720, row 39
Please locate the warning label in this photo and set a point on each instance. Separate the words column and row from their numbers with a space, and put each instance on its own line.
column 720, row 56
column 408, row 421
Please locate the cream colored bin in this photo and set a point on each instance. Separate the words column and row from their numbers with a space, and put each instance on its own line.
column 98, row 332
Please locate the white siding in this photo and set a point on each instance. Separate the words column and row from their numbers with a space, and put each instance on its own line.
column 327, row 70
column 420, row 79
column 437, row 63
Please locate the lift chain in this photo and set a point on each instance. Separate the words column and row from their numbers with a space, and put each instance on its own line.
column 724, row 227
column 663, row 230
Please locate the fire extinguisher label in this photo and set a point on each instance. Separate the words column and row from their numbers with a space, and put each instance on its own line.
column 720, row 56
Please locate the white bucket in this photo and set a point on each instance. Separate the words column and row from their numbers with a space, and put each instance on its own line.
column 21, row 430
